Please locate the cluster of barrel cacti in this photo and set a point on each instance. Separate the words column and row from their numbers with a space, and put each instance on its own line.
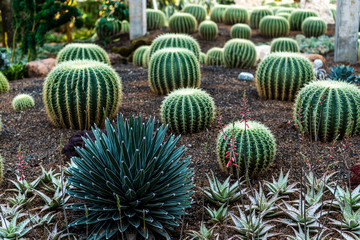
column 297, row 18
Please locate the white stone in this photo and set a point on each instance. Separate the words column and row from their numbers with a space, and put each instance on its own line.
column 246, row 76
column 262, row 51
column 318, row 63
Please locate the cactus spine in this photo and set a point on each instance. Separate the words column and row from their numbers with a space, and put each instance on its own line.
column 106, row 27
column 4, row 84
column 208, row 30
column 235, row 14
column 22, row 102
column 257, row 14
column 83, row 51
column 314, row 27
column 138, row 58
column 155, row 19
column 217, row 13
column 274, row 26
column 182, row 23
column 297, row 17
column 284, row 45
column 198, row 11
column 239, row 53
column 240, row 30
column 215, row 56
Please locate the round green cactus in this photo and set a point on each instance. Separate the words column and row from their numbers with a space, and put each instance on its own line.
column 198, row 11
column 215, row 56
column 83, row 51
column 187, row 110
column 1, row 169
column 4, row 84
column 217, row 13
column 208, row 30
column 182, row 23
column 155, row 19
column 257, row 14
column 240, row 30
column 328, row 110
column 314, row 27
column 202, row 59
column 106, row 27
column 235, row 14
column 173, row 68
column 253, row 142
column 22, row 102
column 146, row 58
column 286, row 16
column 285, row 10
column 281, row 75
column 239, row 53
column 77, row 94
column 284, row 45
column 125, row 26
column 333, row 13
column 138, row 58
column 274, row 26
column 297, row 17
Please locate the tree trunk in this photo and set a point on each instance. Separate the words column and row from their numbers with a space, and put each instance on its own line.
column 7, row 26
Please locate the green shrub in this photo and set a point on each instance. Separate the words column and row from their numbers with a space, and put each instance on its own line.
column 286, row 16
column 215, row 56
column 284, row 45
column 4, row 84
column 134, row 173
column 1, row 169
column 202, row 58
column 274, row 26
column 155, row 19
column 329, row 110
column 95, row 94
column 138, row 58
column 217, row 13
column 198, row 11
column 187, row 110
column 125, row 26
column 240, row 30
column 208, row 30
column 257, row 142
column 106, row 27
column 173, row 68
column 22, row 102
column 297, row 17
column 83, row 51
column 257, row 14
column 314, row 27
column 235, row 14
column 182, row 23
column 281, row 75
column 239, row 53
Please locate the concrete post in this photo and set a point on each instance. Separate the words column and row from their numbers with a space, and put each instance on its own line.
column 346, row 31
column 137, row 12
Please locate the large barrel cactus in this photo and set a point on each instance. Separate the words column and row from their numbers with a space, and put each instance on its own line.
column 187, row 110
column 77, row 94
column 257, row 14
column 182, row 23
column 138, row 58
column 328, row 110
column 240, row 30
column 239, row 53
column 297, row 17
column 314, row 27
column 83, row 51
column 155, row 19
column 208, row 30
column 217, row 13
column 254, row 144
column 106, row 27
column 274, row 26
column 215, row 56
column 284, row 45
column 235, row 14
column 281, row 75
column 4, row 84
column 173, row 68
column 198, row 11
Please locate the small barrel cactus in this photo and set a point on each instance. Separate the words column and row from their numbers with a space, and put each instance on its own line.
column 83, row 51
column 257, row 14
column 285, row 10
column 240, row 30
column 281, row 75
column 139, row 56
column 125, row 26
column 106, row 27
column 286, row 16
column 22, row 102
column 145, row 58
column 239, row 53
column 253, row 139
column 314, row 27
column 173, row 68
column 182, row 23
column 297, row 17
column 187, row 110
column 333, row 13
column 215, row 56
column 202, row 59
column 284, row 45
column 77, row 94
column 198, row 11
column 235, row 14
column 208, row 30
column 1, row 169
column 4, row 84
column 155, row 19
column 274, row 26
column 217, row 13
column 328, row 110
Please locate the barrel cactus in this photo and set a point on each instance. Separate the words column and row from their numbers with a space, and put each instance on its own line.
column 106, row 27
column 217, row 13
column 274, row 26
column 285, row 10
column 173, row 68
column 125, row 26
column 145, row 58
column 187, row 110
column 257, row 14
column 215, row 56
column 297, row 17
column 314, row 27
column 83, row 51
column 202, row 59
column 77, row 94
column 4, row 84
column 284, row 45
column 22, row 102
column 286, row 16
column 333, row 13
column 328, row 110
column 281, row 75
column 133, row 181
column 139, row 56
column 253, row 139
column 208, row 30
column 182, row 23
column 239, row 53
column 155, row 19
column 235, row 14
column 240, row 30
column 198, row 11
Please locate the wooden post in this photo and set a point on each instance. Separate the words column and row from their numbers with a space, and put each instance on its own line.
column 346, row 31
column 137, row 10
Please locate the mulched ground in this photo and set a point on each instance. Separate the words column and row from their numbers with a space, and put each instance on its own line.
column 40, row 140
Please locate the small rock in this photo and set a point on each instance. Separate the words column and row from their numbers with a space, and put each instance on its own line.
column 318, row 63
column 312, row 57
column 39, row 68
column 245, row 76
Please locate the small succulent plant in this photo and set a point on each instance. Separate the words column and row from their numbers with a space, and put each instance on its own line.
column 341, row 196
column 23, row 186
column 344, row 73
column 300, row 235
column 351, row 219
column 218, row 215
column 22, row 102
column 12, row 230
column 281, row 186
column 203, row 234
column 56, row 201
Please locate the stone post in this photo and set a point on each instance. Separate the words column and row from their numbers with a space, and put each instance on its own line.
column 137, row 12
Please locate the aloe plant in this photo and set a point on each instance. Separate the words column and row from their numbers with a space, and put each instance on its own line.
column 12, row 230
column 219, row 215
column 20, row 199
column 47, row 176
column 23, row 186
column 10, row 212
column 56, row 201
column 351, row 219
column 58, row 235
column 341, row 195
column 281, row 186
column 203, row 234
column 301, row 235
column 43, row 220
